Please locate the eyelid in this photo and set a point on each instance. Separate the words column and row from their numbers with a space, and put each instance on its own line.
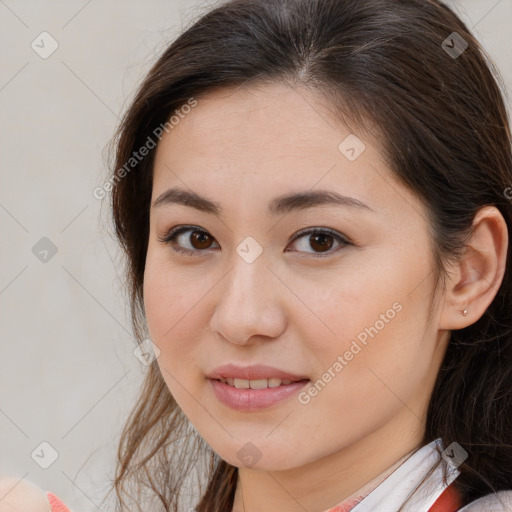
column 170, row 235
column 320, row 230
column 342, row 239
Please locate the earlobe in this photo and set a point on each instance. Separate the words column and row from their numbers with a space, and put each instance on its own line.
column 476, row 277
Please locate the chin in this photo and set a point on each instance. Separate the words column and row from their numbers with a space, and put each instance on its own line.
column 264, row 455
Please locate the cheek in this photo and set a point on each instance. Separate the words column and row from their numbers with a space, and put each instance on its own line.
column 171, row 296
column 172, row 308
column 157, row 304
column 368, row 338
column 345, row 304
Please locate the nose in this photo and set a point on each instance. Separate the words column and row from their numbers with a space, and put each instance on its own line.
column 249, row 304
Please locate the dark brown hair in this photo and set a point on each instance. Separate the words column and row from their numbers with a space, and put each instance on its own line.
column 445, row 135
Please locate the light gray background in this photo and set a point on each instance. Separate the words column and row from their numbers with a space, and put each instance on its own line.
column 68, row 374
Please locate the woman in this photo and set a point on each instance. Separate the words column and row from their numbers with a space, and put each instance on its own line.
column 314, row 200
column 382, row 317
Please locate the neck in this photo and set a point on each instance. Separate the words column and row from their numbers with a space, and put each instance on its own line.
column 349, row 503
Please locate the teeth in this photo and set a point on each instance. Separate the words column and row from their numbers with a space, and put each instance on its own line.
column 242, row 383
column 256, row 383
column 274, row 382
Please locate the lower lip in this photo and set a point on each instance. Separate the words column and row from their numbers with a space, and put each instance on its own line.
column 254, row 399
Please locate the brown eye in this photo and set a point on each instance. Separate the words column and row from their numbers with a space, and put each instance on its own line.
column 200, row 240
column 320, row 240
column 195, row 243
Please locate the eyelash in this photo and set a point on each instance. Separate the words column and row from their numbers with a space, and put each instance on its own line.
column 170, row 237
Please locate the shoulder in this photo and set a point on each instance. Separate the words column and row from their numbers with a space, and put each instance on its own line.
column 495, row 502
column 18, row 495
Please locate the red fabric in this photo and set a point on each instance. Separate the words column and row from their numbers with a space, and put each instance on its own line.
column 448, row 501
column 56, row 503
column 346, row 506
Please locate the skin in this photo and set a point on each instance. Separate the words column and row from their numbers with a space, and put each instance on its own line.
column 17, row 495
column 242, row 147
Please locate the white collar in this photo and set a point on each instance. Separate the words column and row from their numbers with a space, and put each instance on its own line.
column 393, row 491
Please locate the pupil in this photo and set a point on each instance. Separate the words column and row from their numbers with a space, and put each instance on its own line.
column 200, row 237
column 322, row 244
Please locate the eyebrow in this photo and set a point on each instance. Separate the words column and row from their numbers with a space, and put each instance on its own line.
column 278, row 206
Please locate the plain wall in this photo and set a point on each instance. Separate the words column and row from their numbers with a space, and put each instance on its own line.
column 68, row 375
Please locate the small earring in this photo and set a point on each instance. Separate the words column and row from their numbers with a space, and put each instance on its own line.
column 464, row 312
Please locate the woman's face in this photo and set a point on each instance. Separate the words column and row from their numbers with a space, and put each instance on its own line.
column 343, row 311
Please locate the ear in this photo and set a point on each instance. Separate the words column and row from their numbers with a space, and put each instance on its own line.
column 475, row 278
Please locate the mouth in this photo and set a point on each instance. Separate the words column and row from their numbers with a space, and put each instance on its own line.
column 254, row 395
column 255, row 375
column 273, row 382
column 253, row 388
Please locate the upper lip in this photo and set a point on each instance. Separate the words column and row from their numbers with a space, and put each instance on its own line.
column 255, row 372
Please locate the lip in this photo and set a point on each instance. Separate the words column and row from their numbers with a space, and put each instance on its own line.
column 254, row 399
column 254, row 372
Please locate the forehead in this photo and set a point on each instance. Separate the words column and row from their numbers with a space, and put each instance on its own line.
column 265, row 141
column 273, row 127
column 229, row 119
